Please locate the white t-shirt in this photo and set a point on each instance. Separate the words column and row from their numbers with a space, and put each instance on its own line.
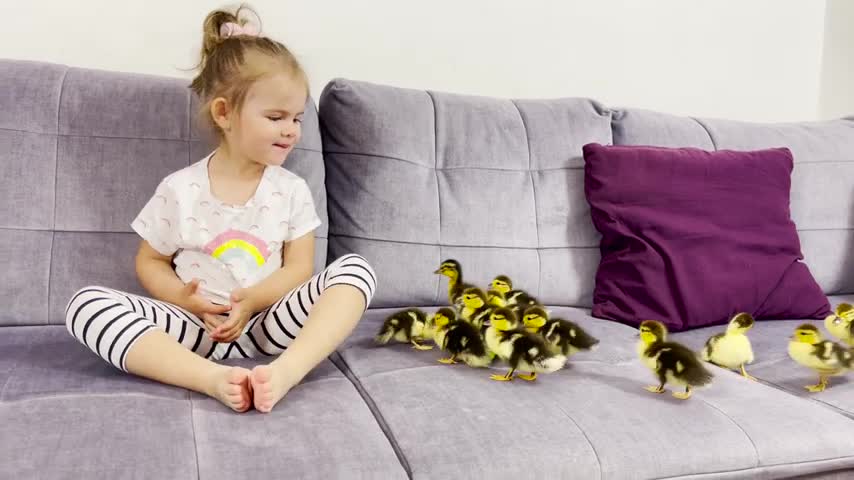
column 225, row 246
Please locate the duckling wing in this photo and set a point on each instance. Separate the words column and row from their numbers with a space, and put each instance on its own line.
column 681, row 362
column 464, row 337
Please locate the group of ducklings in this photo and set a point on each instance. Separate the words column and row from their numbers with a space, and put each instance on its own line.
column 512, row 325
column 479, row 326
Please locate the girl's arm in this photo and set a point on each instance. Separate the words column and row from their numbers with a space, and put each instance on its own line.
column 156, row 275
column 298, row 261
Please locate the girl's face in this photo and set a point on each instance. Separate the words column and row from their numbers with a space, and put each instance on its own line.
column 269, row 123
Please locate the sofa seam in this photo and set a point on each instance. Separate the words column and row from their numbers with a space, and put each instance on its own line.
column 124, row 137
column 708, row 132
column 55, row 192
column 193, row 429
column 587, row 438
column 438, row 189
column 747, row 435
column 391, row 157
column 805, row 462
column 344, row 367
column 27, row 229
column 534, row 197
column 360, row 237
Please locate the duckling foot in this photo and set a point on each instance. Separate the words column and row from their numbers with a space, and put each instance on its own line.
column 448, row 361
column 418, row 346
column 747, row 375
column 655, row 388
column 502, row 378
column 532, row 377
column 683, row 395
column 820, row 386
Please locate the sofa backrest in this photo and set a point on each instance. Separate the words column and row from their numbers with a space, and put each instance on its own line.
column 81, row 153
column 415, row 177
column 822, row 198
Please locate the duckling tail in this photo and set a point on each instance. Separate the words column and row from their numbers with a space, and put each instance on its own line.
column 385, row 335
column 550, row 364
column 698, row 376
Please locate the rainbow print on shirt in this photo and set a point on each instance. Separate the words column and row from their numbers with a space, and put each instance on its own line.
column 236, row 247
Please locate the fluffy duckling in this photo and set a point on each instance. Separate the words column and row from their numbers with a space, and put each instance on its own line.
column 475, row 308
column 521, row 349
column 461, row 339
column 405, row 326
column 841, row 324
column 827, row 358
column 565, row 336
column 454, row 271
column 495, row 298
column 670, row 361
column 503, row 284
column 732, row 348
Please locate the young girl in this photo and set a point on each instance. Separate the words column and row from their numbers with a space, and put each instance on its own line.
column 239, row 230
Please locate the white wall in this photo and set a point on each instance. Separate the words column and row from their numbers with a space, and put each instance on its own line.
column 741, row 59
column 837, row 79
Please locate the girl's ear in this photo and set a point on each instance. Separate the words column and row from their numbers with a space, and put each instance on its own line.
column 221, row 112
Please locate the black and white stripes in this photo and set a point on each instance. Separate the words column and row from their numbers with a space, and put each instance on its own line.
column 109, row 321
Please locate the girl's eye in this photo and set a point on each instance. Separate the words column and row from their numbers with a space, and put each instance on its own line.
column 297, row 120
column 275, row 119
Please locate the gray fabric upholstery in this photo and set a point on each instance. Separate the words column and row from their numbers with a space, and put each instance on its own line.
column 427, row 176
column 822, row 200
column 67, row 414
column 591, row 420
column 83, row 151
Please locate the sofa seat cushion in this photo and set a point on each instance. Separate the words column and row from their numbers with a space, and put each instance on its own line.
column 67, row 414
column 590, row 420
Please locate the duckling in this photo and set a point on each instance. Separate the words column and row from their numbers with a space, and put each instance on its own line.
column 566, row 336
column 732, row 348
column 670, row 361
column 405, row 326
column 503, row 284
column 461, row 339
column 495, row 298
column 808, row 348
column 519, row 348
column 475, row 308
column 841, row 324
column 454, row 271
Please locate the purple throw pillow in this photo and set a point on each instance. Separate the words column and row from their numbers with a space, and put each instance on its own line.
column 691, row 237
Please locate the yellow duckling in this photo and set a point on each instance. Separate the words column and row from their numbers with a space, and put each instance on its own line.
column 475, row 309
column 495, row 298
column 841, row 324
column 670, row 361
column 567, row 337
column 827, row 358
column 521, row 349
column 405, row 326
column 461, row 339
column 503, row 284
column 454, row 271
column 732, row 348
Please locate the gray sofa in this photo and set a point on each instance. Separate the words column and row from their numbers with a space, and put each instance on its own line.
column 405, row 178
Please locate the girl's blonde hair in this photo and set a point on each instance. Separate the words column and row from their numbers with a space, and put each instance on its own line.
column 231, row 63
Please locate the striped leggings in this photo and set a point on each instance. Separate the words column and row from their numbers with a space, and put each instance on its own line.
column 109, row 322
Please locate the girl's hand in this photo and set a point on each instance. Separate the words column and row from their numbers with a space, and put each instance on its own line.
column 238, row 317
column 198, row 305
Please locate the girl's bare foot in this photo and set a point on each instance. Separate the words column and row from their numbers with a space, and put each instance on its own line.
column 269, row 386
column 231, row 386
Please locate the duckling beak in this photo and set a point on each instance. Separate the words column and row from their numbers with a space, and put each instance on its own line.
column 438, row 271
